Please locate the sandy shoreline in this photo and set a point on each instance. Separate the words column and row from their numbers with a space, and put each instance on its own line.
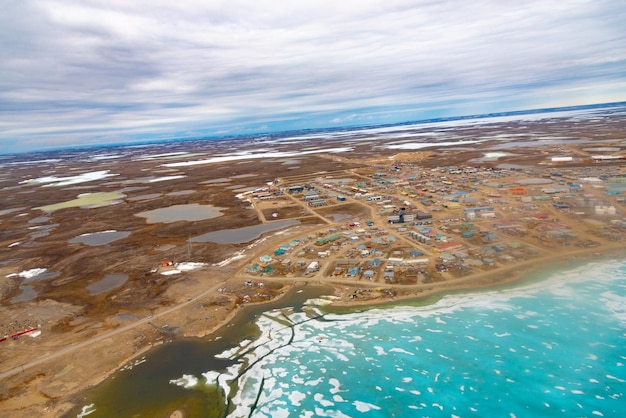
column 505, row 275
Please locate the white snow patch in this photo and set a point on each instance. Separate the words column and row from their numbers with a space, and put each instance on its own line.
column 28, row 274
column 420, row 145
column 275, row 154
column 188, row 266
column 54, row 181
column 166, row 178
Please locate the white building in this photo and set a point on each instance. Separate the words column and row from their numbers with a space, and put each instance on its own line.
column 313, row 267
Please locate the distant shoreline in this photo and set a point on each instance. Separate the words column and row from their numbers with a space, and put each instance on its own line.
column 328, row 129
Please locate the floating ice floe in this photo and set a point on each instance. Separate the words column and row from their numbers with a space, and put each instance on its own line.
column 211, row 377
column 365, row 406
column 187, row 381
column 86, row 410
column 132, row 364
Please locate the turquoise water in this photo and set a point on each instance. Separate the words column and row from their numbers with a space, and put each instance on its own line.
column 551, row 348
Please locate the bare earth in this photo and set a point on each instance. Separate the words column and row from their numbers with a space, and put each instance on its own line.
column 87, row 335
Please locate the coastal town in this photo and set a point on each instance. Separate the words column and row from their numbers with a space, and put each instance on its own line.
column 111, row 253
column 405, row 225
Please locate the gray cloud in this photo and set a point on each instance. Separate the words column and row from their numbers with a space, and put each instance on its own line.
column 75, row 72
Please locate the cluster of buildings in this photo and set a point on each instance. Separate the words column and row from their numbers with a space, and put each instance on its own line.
column 432, row 224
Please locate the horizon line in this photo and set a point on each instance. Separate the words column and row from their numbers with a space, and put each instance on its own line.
column 356, row 127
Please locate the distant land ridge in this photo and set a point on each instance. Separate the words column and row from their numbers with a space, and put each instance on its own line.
column 297, row 132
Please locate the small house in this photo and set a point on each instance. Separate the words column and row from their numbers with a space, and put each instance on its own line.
column 313, row 267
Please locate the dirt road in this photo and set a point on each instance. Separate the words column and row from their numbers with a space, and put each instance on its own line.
column 106, row 335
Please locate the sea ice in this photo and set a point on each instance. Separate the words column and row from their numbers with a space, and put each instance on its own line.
column 211, row 377
column 401, row 350
column 86, row 410
column 187, row 381
column 295, row 397
column 365, row 406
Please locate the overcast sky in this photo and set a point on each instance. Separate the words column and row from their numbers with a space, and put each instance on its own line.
column 78, row 72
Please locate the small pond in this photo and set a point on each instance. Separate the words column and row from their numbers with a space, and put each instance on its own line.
column 512, row 166
column 243, row 176
column 338, row 217
column 181, row 193
column 109, row 282
column 28, row 293
column 39, row 220
column 241, row 235
column 42, row 230
column 220, row 180
column 190, row 213
column 86, row 201
column 99, row 238
column 144, row 197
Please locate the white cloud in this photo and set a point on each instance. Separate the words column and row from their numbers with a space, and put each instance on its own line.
column 81, row 70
